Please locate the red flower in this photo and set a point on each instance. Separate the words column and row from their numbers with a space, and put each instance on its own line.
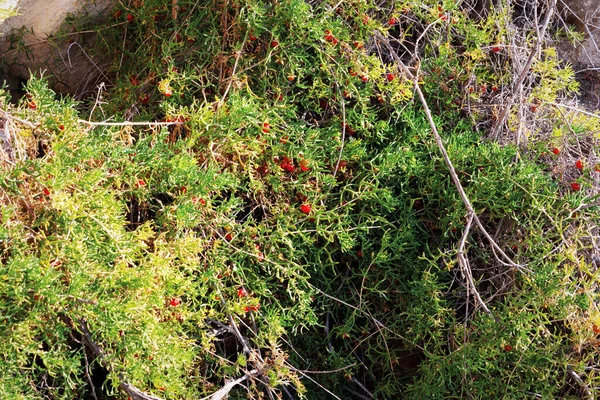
column 140, row 183
column 174, row 302
column 46, row 191
column 305, row 208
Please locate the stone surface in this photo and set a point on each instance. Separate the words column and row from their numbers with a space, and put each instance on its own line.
column 64, row 63
column 585, row 16
column 44, row 17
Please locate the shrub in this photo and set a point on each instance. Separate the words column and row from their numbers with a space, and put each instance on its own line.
column 286, row 225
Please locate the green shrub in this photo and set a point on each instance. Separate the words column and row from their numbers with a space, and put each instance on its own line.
column 290, row 214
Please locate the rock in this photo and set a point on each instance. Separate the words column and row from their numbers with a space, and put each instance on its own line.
column 25, row 47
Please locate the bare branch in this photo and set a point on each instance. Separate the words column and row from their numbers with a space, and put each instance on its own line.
column 519, row 82
column 438, row 139
column 132, row 391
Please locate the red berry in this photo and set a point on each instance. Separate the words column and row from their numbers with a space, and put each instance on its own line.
column 266, row 127
column 390, row 77
column 174, row 302
column 61, row 127
column 349, row 130
column 575, row 186
column 168, row 92
column 305, row 208
column 596, row 328
column 46, row 191
column 364, row 78
column 304, row 165
column 533, row 108
column 229, row 237
column 130, row 18
column 579, row 164
column 274, row 43
column 134, row 80
column 358, row 45
column 32, row 105
column 287, row 164
column 392, row 21
column 144, row 98
column 252, row 37
column 242, row 292
column 328, row 36
column 335, row 41
column 556, row 151
column 494, row 88
column 118, row 14
column 140, row 183
column 508, row 347
column 496, row 49
column 597, row 168
column 251, row 308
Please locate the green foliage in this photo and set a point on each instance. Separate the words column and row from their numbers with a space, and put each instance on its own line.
column 294, row 188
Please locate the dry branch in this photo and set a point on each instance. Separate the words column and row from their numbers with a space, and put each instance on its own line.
column 132, row 391
column 516, row 88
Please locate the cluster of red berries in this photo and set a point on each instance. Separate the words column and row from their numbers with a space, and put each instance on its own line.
column 330, row 38
column 287, row 164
